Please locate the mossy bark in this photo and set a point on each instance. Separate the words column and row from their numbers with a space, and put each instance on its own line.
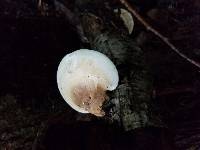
column 130, row 104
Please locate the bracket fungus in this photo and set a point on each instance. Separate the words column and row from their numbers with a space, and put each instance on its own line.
column 83, row 77
column 127, row 18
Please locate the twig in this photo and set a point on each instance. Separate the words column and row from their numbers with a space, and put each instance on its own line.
column 158, row 34
column 175, row 90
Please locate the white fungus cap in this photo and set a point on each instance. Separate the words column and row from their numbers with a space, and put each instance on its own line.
column 86, row 69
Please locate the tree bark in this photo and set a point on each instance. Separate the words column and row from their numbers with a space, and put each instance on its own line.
column 131, row 102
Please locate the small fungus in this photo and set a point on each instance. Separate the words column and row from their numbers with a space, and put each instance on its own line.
column 126, row 18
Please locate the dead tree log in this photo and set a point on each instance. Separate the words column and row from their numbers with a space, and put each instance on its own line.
column 131, row 103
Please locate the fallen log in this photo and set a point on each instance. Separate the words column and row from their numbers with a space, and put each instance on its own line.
column 131, row 102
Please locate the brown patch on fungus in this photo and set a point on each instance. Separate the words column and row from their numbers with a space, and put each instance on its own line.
column 90, row 98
